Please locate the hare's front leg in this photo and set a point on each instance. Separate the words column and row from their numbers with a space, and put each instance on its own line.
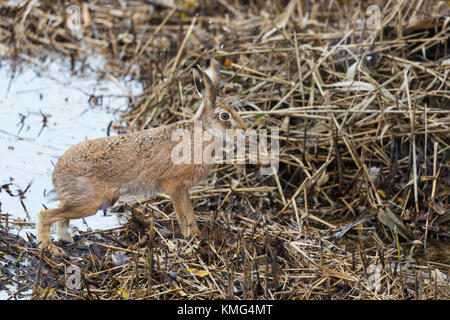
column 191, row 221
column 183, row 209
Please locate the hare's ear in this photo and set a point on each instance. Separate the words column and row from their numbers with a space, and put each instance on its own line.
column 212, row 69
column 198, row 82
column 209, row 86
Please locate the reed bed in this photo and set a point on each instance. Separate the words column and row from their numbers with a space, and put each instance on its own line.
column 358, row 208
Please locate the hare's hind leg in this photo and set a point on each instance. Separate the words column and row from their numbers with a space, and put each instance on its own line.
column 62, row 230
column 43, row 226
column 184, row 210
column 64, row 212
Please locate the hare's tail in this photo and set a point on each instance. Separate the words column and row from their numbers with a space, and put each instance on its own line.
column 51, row 196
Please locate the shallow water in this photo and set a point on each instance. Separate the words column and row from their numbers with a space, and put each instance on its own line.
column 28, row 149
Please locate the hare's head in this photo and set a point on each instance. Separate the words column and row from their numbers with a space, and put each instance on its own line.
column 214, row 112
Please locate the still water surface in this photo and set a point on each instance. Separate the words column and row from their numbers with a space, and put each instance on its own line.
column 44, row 110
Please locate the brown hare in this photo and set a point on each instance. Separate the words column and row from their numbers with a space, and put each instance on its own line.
column 93, row 174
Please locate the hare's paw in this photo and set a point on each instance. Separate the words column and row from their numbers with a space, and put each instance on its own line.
column 191, row 231
column 64, row 235
column 62, row 230
column 43, row 239
column 55, row 250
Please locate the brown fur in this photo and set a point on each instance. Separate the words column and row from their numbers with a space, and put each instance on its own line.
column 95, row 173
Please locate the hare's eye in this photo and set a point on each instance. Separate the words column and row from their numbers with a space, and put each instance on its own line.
column 224, row 116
